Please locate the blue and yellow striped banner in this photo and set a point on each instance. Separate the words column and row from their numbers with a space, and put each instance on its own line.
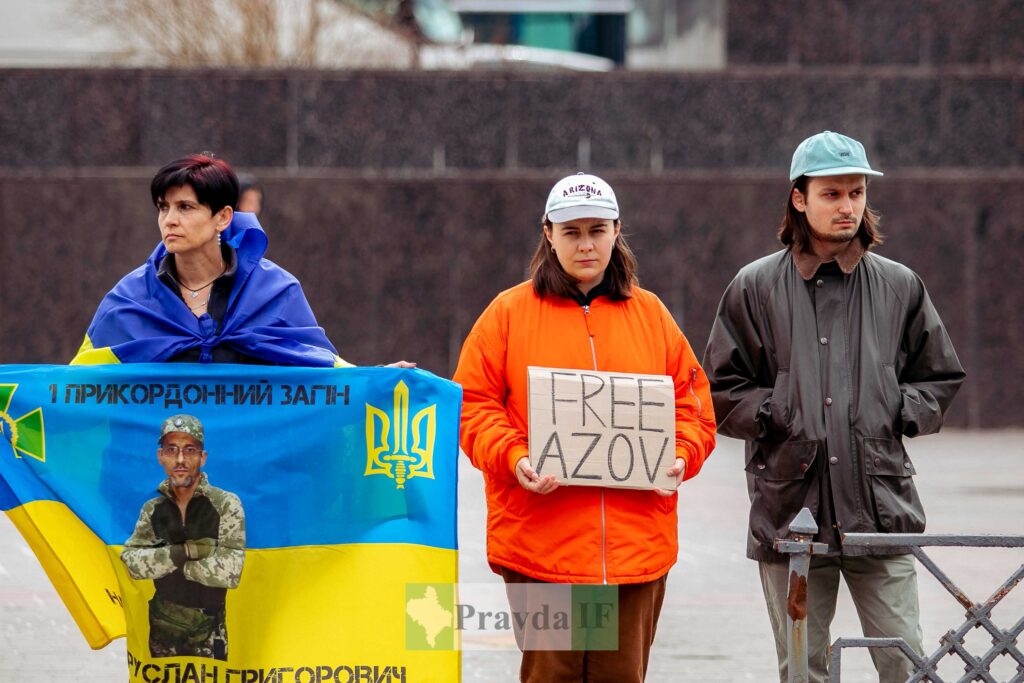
column 347, row 478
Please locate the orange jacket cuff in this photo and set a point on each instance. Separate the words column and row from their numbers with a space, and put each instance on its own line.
column 514, row 454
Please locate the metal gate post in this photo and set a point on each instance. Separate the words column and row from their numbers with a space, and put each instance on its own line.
column 799, row 547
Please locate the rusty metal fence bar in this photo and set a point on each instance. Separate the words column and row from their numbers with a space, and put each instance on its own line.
column 1004, row 642
column 978, row 614
column 799, row 547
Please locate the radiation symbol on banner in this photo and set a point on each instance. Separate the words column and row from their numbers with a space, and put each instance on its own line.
column 398, row 447
column 26, row 432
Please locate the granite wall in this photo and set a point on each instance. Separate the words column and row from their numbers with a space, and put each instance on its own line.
column 908, row 33
column 739, row 120
column 405, row 201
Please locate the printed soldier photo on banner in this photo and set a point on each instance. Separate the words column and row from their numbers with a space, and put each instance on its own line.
column 190, row 541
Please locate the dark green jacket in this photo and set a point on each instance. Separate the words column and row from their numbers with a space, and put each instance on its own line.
column 212, row 514
column 823, row 378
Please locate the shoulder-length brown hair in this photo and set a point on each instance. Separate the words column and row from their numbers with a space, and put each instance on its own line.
column 550, row 278
column 795, row 231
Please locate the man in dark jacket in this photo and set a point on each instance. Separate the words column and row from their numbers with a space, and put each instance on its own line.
column 823, row 356
column 191, row 541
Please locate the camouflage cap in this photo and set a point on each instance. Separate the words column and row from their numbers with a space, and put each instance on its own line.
column 186, row 424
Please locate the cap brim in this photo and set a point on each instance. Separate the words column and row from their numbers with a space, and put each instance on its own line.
column 841, row 170
column 572, row 213
column 161, row 439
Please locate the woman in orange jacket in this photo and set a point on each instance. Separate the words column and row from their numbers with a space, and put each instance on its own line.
column 582, row 309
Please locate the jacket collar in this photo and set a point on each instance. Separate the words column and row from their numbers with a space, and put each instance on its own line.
column 601, row 288
column 168, row 272
column 807, row 262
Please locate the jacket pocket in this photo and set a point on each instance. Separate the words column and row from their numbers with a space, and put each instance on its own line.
column 783, row 481
column 898, row 508
column 892, row 395
column 779, row 403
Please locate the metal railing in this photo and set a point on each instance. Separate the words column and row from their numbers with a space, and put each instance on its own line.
column 978, row 614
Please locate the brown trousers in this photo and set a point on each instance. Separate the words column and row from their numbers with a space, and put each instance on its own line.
column 639, row 608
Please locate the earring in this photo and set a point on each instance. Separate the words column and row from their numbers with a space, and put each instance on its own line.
column 218, row 239
column 552, row 250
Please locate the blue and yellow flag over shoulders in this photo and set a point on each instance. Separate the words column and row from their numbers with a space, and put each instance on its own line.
column 267, row 317
column 325, row 493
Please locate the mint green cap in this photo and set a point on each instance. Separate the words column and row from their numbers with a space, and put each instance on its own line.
column 829, row 153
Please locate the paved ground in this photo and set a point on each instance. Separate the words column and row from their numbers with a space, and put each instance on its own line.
column 713, row 627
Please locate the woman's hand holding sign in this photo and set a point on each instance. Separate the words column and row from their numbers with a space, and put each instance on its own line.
column 677, row 470
column 531, row 481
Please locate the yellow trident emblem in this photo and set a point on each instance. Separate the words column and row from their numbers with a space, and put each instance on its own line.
column 25, row 433
column 398, row 459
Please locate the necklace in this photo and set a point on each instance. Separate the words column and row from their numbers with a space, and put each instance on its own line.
column 199, row 305
column 195, row 292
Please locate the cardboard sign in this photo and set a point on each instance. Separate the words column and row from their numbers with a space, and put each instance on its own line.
column 591, row 428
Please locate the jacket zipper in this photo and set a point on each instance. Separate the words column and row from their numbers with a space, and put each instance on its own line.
column 693, row 380
column 604, row 531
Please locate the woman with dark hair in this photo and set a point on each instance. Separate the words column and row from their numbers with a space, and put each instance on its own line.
column 582, row 309
column 206, row 294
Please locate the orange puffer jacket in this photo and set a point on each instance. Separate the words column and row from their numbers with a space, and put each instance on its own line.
column 575, row 534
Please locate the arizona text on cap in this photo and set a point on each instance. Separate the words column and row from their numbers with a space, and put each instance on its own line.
column 581, row 196
column 186, row 424
column 829, row 153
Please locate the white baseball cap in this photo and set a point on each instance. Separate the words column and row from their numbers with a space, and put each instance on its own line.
column 581, row 196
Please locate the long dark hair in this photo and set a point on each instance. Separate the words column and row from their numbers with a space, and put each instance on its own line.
column 550, row 278
column 795, row 230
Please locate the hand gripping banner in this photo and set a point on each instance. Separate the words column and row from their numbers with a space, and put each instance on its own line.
column 238, row 523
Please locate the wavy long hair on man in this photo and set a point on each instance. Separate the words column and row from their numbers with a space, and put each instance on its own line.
column 795, row 231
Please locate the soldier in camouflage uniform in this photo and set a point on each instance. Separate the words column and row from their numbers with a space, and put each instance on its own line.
column 191, row 541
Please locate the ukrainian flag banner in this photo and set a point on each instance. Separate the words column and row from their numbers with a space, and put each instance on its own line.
column 315, row 497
